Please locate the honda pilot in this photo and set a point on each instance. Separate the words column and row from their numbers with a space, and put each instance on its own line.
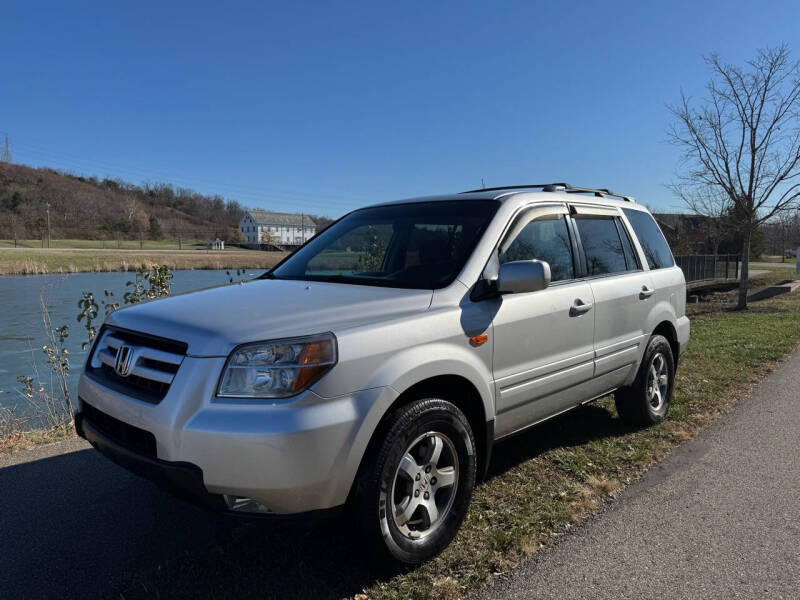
column 376, row 367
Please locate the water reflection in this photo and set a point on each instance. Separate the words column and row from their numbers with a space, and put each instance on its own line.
column 22, row 333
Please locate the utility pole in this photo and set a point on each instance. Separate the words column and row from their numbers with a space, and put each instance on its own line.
column 783, row 241
column 302, row 228
column 47, row 208
column 5, row 155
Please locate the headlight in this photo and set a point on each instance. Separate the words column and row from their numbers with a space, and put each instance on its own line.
column 279, row 368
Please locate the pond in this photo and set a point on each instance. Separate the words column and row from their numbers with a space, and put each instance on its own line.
column 22, row 332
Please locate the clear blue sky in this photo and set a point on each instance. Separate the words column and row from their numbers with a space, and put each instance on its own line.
column 327, row 106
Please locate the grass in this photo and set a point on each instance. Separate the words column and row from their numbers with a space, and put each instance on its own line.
column 776, row 259
column 166, row 244
column 540, row 484
column 29, row 261
column 17, row 440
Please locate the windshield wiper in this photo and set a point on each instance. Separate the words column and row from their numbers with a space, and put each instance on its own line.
column 332, row 278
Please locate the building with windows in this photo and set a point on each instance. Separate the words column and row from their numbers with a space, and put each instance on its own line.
column 265, row 227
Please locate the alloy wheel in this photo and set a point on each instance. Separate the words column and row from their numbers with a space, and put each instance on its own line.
column 424, row 485
column 657, row 382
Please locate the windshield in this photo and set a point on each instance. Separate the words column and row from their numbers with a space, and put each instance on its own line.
column 419, row 245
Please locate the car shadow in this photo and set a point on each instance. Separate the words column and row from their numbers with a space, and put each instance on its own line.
column 575, row 428
column 76, row 525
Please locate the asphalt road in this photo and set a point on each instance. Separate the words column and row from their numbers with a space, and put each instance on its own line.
column 71, row 521
column 719, row 518
column 769, row 265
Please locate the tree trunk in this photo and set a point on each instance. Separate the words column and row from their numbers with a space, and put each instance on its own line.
column 745, row 270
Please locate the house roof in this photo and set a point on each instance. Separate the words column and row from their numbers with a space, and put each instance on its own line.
column 673, row 220
column 265, row 217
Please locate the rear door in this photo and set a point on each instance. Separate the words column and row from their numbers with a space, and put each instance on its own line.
column 543, row 341
column 622, row 291
column 668, row 280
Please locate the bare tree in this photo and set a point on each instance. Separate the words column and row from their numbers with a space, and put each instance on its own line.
column 712, row 202
column 742, row 145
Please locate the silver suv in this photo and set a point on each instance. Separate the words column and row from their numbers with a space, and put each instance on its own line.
column 376, row 367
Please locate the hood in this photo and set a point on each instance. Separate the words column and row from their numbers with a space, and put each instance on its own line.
column 213, row 321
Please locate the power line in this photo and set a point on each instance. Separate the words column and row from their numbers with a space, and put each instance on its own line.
column 263, row 199
column 333, row 199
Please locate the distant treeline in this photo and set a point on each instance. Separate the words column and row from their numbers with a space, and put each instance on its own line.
column 91, row 208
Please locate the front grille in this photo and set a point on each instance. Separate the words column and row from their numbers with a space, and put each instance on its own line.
column 130, row 437
column 153, row 363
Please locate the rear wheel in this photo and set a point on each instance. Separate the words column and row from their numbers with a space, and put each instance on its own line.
column 415, row 490
column 647, row 401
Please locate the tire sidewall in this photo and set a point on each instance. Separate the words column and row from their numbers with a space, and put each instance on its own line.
column 657, row 344
column 438, row 416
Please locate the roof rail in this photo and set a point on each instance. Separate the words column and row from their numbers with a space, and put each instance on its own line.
column 557, row 187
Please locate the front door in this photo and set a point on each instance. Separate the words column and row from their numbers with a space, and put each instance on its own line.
column 543, row 353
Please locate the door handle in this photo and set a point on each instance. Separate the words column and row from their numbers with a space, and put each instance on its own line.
column 646, row 292
column 579, row 308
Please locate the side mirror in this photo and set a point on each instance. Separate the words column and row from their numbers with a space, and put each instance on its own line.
column 521, row 276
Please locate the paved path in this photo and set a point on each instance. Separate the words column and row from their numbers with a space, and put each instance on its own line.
column 769, row 265
column 720, row 518
column 70, row 520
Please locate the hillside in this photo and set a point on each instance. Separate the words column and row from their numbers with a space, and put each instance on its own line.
column 89, row 208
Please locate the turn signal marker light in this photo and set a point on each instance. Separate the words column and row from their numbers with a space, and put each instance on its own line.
column 479, row 340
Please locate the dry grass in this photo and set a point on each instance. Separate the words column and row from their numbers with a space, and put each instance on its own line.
column 18, row 440
column 445, row 588
column 42, row 261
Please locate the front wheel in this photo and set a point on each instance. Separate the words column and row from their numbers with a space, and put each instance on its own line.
column 647, row 401
column 415, row 490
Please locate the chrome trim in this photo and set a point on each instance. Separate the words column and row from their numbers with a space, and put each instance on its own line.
column 108, row 347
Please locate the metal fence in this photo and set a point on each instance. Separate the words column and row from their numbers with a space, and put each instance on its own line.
column 709, row 267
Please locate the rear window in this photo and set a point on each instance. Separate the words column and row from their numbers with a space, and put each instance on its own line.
column 656, row 249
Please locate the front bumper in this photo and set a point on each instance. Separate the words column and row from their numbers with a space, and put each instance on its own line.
column 185, row 480
column 286, row 457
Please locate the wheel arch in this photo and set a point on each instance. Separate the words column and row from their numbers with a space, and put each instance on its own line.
column 462, row 393
column 454, row 388
column 667, row 329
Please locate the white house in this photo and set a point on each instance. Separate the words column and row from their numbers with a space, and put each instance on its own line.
column 264, row 227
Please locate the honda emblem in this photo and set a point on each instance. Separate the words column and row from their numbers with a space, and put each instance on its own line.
column 125, row 361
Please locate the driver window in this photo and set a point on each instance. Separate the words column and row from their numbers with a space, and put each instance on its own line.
column 546, row 239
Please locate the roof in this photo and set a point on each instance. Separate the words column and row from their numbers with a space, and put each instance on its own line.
column 673, row 220
column 265, row 217
column 559, row 192
column 527, row 194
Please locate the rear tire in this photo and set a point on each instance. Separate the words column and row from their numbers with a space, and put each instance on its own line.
column 415, row 488
column 647, row 401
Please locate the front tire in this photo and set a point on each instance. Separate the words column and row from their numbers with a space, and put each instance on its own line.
column 647, row 401
column 415, row 489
